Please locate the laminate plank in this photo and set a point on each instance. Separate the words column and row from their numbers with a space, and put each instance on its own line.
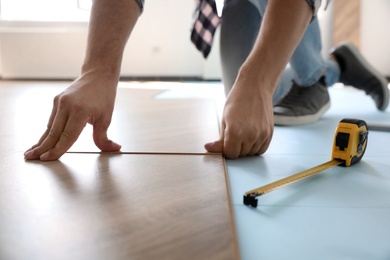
column 141, row 122
column 114, row 206
column 102, row 206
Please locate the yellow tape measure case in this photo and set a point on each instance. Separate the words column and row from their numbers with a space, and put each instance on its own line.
column 350, row 141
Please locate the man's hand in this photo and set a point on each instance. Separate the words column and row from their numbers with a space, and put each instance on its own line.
column 88, row 100
column 91, row 98
column 247, row 122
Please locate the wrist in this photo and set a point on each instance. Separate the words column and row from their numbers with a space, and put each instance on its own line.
column 255, row 78
column 106, row 72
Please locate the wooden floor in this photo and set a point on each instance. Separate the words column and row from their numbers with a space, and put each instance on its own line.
column 163, row 197
column 171, row 200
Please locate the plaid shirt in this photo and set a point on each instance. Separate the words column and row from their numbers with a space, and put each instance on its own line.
column 205, row 25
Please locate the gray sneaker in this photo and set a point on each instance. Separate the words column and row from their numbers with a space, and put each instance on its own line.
column 357, row 72
column 302, row 105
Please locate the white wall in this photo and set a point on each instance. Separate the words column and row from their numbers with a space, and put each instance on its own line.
column 375, row 37
column 159, row 46
column 1, row 64
column 36, row 50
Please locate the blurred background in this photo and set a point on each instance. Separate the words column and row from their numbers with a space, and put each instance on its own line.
column 45, row 39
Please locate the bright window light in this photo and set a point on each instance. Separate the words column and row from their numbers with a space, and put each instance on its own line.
column 45, row 10
column 219, row 4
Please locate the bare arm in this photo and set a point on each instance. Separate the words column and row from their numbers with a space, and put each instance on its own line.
column 91, row 98
column 284, row 24
column 110, row 26
column 247, row 123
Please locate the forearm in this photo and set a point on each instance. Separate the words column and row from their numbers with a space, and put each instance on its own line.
column 109, row 29
column 282, row 29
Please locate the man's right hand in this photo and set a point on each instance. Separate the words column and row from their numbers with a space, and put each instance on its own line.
column 90, row 99
column 247, row 122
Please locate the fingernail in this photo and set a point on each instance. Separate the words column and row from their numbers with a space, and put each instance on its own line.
column 28, row 154
column 208, row 144
column 44, row 156
column 212, row 143
column 118, row 146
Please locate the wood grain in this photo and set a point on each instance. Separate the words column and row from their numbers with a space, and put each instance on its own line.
column 109, row 206
column 141, row 123
column 90, row 206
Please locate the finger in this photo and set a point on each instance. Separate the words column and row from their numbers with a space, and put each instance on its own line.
column 100, row 137
column 267, row 142
column 73, row 128
column 50, row 138
column 246, row 147
column 231, row 146
column 264, row 146
column 49, row 124
column 255, row 148
column 215, row 147
column 29, row 154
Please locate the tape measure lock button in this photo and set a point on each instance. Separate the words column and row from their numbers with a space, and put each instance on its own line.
column 362, row 141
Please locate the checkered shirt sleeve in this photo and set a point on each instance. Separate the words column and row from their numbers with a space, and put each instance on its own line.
column 205, row 25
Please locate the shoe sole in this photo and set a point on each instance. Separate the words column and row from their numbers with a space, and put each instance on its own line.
column 300, row 120
column 372, row 70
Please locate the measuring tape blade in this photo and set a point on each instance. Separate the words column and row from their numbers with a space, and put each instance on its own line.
column 293, row 178
column 350, row 142
column 250, row 196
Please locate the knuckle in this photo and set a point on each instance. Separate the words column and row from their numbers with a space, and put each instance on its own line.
column 56, row 100
column 64, row 136
column 53, row 133
column 105, row 123
column 230, row 135
column 63, row 99
column 69, row 102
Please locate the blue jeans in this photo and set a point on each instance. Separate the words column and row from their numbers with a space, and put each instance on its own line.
column 241, row 21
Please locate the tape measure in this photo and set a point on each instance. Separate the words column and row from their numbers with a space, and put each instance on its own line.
column 349, row 145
